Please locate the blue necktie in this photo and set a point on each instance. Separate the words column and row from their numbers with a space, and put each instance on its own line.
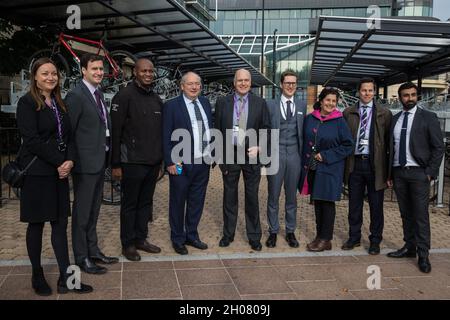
column 402, row 149
column 288, row 110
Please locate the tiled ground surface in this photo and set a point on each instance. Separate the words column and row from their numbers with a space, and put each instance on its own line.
column 282, row 272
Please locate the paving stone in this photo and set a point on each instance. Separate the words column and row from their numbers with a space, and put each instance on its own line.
column 210, row 292
column 140, row 266
column 18, row 287
column 321, row 290
column 157, row 284
column 305, row 272
column 97, row 294
column 276, row 296
column 198, row 264
column 393, row 294
column 203, row 276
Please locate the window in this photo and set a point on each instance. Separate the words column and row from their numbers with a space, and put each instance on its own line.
column 294, row 14
column 284, row 14
column 338, row 12
column 349, row 12
column 250, row 14
column 240, row 15
column 230, row 15
column 305, row 13
column 273, row 14
column 360, row 12
column 326, row 12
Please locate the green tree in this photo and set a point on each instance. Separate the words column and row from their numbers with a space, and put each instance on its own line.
column 17, row 44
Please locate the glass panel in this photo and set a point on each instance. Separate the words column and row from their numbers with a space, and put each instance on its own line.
column 283, row 39
column 338, row 11
column 273, row 14
column 284, row 14
column 250, row 14
column 294, row 14
column 305, row 13
column 326, row 12
column 256, row 49
column 245, row 49
column 239, row 27
column 230, row 15
column 293, row 39
column 240, row 15
column 236, row 40
column 249, row 27
column 360, row 12
column 248, row 40
column 349, row 12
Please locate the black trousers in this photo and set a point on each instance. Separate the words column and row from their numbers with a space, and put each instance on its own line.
column 252, row 177
column 59, row 243
column 136, row 206
column 88, row 192
column 361, row 178
column 412, row 188
column 325, row 213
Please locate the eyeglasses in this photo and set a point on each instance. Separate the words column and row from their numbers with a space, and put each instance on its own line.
column 290, row 84
column 192, row 84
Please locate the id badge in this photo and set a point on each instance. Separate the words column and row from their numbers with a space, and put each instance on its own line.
column 107, row 133
column 235, row 128
column 364, row 142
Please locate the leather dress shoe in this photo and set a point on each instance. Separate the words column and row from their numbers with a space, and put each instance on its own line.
column 374, row 249
column 225, row 242
column 350, row 245
column 63, row 289
column 197, row 244
column 424, row 265
column 101, row 258
column 39, row 284
column 272, row 240
column 255, row 245
column 403, row 253
column 319, row 245
column 180, row 249
column 88, row 266
column 131, row 253
column 290, row 238
column 147, row 247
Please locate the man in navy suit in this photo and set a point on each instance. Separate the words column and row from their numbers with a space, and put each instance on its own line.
column 190, row 113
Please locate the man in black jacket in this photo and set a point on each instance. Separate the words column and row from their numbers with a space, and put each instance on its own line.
column 416, row 150
column 136, row 114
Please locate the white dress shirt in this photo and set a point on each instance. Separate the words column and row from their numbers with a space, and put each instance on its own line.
column 397, row 131
column 283, row 106
column 191, row 110
column 369, row 111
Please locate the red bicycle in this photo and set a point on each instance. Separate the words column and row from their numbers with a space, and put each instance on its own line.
column 118, row 63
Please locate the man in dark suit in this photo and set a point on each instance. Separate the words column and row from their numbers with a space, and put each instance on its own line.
column 186, row 123
column 240, row 114
column 91, row 125
column 286, row 114
column 367, row 167
column 416, row 151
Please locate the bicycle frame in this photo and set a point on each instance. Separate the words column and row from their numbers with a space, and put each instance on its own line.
column 63, row 38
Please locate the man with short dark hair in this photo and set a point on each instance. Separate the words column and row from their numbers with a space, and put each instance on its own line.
column 91, row 126
column 367, row 167
column 136, row 114
column 416, row 151
column 286, row 115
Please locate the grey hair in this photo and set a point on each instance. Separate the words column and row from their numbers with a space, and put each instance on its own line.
column 183, row 78
column 242, row 69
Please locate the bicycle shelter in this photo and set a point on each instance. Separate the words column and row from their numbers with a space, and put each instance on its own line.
column 163, row 29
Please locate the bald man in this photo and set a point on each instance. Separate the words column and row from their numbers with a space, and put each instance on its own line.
column 136, row 114
column 188, row 114
column 238, row 113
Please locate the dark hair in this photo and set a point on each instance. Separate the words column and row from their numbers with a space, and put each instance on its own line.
column 367, row 80
column 89, row 57
column 325, row 91
column 35, row 91
column 286, row 73
column 405, row 86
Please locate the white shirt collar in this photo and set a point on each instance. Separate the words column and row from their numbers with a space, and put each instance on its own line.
column 90, row 87
column 370, row 104
column 284, row 99
column 189, row 101
column 412, row 110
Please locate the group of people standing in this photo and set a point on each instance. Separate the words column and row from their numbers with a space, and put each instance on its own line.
column 364, row 147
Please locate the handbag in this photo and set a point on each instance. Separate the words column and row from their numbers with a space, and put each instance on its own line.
column 14, row 175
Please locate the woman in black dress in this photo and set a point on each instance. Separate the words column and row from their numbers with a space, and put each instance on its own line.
column 44, row 127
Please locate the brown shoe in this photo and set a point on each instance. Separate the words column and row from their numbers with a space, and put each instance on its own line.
column 131, row 254
column 147, row 247
column 318, row 246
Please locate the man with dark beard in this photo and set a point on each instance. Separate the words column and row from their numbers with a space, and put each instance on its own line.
column 416, row 150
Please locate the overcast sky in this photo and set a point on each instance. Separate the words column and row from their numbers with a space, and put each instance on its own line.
column 441, row 9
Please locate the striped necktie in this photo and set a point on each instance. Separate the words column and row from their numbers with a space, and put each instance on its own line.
column 362, row 128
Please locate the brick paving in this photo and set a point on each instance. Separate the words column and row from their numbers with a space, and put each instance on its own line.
column 230, row 273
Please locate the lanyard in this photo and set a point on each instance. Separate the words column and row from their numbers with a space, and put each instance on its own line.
column 241, row 109
column 54, row 108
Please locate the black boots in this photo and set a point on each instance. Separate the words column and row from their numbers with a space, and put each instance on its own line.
column 39, row 283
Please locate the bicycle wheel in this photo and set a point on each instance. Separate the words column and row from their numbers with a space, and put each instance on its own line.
column 58, row 59
column 111, row 189
column 126, row 61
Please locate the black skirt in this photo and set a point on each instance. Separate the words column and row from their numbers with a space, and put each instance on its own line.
column 44, row 198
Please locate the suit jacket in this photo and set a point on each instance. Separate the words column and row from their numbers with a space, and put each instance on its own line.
column 380, row 126
column 39, row 133
column 257, row 118
column 426, row 142
column 300, row 113
column 176, row 116
column 89, row 130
